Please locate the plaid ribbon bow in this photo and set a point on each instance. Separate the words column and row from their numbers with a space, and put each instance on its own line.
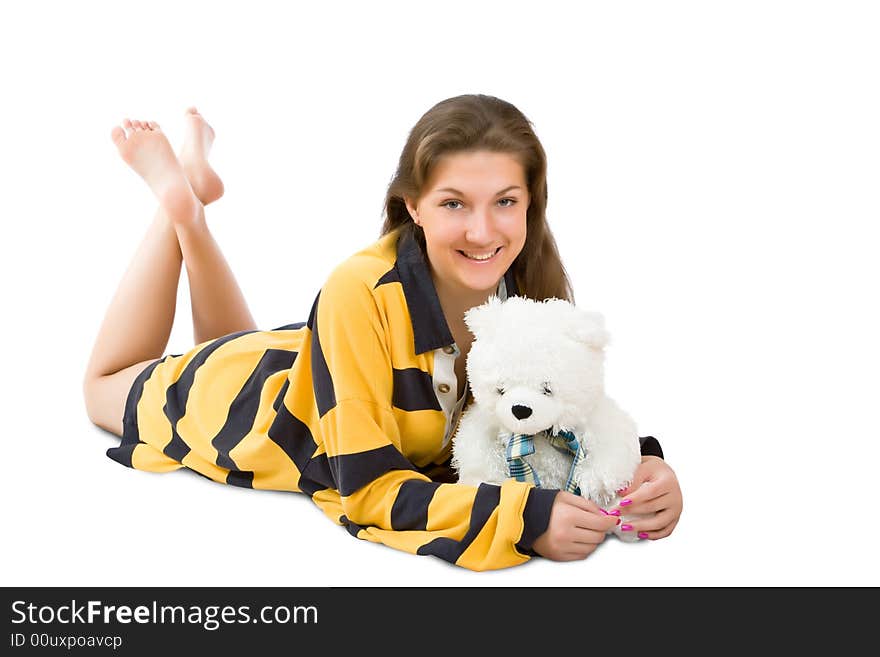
column 520, row 446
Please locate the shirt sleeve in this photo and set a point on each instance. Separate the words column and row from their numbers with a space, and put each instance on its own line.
column 650, row 446
column 382, row 497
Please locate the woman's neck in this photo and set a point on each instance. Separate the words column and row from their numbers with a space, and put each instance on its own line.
column 455, row 302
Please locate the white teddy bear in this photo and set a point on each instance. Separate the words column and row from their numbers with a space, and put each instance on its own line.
column 540, row 413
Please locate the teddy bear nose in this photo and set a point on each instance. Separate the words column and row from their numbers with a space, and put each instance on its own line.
column 521, row 412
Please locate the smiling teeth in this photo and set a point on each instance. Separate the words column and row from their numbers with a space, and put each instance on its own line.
column 484, row 256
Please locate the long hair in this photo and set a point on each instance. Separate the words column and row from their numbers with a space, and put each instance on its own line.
column 475, row 122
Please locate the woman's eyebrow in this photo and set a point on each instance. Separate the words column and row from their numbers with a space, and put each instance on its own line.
column 457, row 192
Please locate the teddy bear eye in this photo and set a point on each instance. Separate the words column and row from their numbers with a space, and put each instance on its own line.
column 546, row 389
column 499, row 390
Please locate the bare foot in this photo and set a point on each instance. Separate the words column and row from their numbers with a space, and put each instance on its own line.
column 146, row 149
column 197, row 141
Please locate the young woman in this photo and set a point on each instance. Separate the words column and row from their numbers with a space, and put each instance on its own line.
column 355, row 407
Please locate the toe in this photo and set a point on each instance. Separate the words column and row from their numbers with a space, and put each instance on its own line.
column 192, row 110
column 138, row 125
column 152, row 125
column 117, row 135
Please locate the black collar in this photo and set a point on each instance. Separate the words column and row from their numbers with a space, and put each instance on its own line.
column 430, row 329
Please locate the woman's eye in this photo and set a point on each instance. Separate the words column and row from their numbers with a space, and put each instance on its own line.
column 505, row 203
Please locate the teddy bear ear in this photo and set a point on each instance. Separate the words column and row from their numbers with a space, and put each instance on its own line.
column 589, row 328
column 480, row 319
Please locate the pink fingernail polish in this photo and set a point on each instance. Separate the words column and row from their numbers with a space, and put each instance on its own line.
column 643, row 534
column 604, row 512
column 618, row 521
column 616, row 512
column 625, row 502
column 626, row 528
column 620, row 491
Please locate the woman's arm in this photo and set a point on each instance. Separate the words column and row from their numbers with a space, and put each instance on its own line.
column 383, row 498
column 338, row 417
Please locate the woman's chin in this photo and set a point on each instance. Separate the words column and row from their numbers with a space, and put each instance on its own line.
column 482, row 286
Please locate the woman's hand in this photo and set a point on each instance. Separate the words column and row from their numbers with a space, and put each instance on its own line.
column 576, row 528
column 656, row 493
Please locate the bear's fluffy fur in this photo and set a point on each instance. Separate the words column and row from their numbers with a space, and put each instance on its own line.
column 548, row 357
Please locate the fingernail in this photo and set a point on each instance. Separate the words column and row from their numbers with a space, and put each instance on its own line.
column 605, row 512
column 625, row 502
column 616, row 512
column 618, row 521
column 626, row 528
column 620, row 491
column 643, row 534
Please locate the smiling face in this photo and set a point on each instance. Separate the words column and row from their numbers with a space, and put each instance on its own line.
column 473, row 213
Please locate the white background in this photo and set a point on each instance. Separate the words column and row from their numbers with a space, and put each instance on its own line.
column 713, row 179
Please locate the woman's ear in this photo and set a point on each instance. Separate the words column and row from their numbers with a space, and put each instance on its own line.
column 411, row 209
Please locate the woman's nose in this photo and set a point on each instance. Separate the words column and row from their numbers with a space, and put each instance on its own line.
column 479, row 227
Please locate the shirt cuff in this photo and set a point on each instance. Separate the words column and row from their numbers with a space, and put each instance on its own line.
column 536, row 517
column 650, row 446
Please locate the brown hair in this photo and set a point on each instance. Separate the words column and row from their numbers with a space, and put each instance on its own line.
column 475, row 122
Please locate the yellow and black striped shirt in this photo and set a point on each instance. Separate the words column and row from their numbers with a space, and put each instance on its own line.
column 344, row 408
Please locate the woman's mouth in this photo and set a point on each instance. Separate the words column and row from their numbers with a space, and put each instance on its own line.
column 480, row 256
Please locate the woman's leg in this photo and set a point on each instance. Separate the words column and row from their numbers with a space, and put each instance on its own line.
column 218, row 305
column 138, row 323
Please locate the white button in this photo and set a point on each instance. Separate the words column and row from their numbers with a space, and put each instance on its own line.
column 449, row 350
column 443, row 388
